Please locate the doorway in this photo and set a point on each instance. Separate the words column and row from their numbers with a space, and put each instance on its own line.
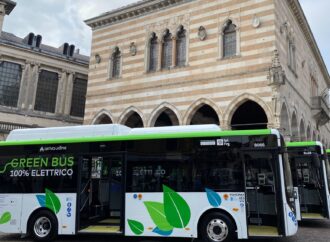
column 261, row 194
column 101, row 194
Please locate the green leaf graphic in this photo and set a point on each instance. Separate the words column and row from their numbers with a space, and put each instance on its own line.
column 136, row 227
column 157, row 214
column 52, row 201
column 5, row 218
column 176, row 209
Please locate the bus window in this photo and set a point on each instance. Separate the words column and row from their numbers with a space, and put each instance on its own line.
column 218, row 169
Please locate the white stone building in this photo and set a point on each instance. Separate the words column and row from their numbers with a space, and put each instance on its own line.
column 40, row 85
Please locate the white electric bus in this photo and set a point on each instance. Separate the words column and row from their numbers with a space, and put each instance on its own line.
column 187, row 181
column 310, row 171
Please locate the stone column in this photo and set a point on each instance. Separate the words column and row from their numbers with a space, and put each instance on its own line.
column 174, row 47
column 32, row 86
column 68, row 94
column 160, row 54
column 24, row 86
column 2, row 15
column 61, row 92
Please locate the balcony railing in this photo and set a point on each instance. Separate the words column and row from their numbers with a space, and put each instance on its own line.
column 6, row 127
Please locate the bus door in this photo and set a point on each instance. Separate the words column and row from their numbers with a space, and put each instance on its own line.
column 310, row 186
column 101, row 193
column 262, row 193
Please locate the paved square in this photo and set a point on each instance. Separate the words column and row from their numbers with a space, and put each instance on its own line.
column 308, row 232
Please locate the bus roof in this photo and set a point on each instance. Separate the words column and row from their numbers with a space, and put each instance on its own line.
column 303, row 143
column 140, row 134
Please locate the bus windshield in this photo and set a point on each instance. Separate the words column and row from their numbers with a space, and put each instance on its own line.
column 306, row 161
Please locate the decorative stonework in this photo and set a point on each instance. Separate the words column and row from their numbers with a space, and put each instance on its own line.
column 132, row 49
column 98, row 58
column 202, row 34
column 276, row 74
column 171, row 24
column 132, row 11
column 256, row 22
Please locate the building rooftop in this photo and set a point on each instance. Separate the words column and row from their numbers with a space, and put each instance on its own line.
column 13, row 40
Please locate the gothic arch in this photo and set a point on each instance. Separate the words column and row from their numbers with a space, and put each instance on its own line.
column 309, row 133
column 238, row 101
column 302, row 130
column 197, row 105
column 223, row 24
column 102, row 115
column 285, row 120
column 294, row 127
column 222, row 27
column 175, row 118
column 314, row 135
column 127, row 114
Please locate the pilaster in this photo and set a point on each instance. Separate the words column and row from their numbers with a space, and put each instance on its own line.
column 68, row 94
column 24, row 87
column 32, row 86
column 61, row 92
column 2, row 15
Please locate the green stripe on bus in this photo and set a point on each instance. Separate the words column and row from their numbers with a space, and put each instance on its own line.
column 140, row 137
column 301, row 144
column 328, row 151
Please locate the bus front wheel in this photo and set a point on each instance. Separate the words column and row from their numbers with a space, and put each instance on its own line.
column 43, row 226
column 217, row 227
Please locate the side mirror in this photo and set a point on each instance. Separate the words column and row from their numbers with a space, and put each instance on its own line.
column 316, row 161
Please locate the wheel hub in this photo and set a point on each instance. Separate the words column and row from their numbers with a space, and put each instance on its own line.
column 217, row 230
column 42, row 227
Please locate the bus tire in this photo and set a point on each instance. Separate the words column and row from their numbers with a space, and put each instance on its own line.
column 217, row 227
column 43, row 226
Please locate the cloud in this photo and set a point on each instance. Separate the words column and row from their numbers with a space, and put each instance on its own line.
column 63, row 21
column 58, row 21
column 316, row 12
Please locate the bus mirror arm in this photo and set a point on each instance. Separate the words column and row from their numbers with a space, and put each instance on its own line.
column 295, row 195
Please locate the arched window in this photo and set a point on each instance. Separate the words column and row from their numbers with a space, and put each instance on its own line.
column 181, row 47
column 116, row 61
column 229, row 39
column 167, row 50
column 153, row 53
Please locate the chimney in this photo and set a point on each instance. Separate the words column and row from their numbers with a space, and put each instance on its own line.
column 71, row 50
column 38, row 41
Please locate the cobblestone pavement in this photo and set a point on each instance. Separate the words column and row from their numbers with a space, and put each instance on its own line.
column 316, row 231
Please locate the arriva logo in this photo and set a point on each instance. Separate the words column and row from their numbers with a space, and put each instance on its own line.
column 52, row 148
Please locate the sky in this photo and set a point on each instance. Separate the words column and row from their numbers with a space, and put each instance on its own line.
column 60, row 21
